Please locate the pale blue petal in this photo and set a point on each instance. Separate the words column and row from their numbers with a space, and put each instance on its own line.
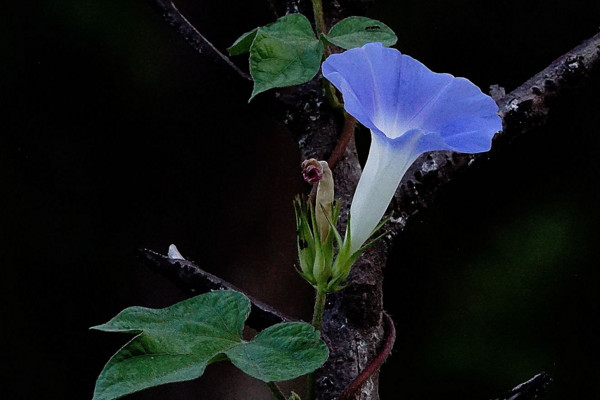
column 464, row 118
column 393, row 93
column 410, row 110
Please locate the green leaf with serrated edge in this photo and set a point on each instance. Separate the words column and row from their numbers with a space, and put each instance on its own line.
column 284, row 53
column 175, row 344
column 281, row 352
column 357, row 31
column 243, row 43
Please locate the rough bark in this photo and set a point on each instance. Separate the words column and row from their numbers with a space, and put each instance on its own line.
column 352, row 324
column 522, row 110
column 193, row 279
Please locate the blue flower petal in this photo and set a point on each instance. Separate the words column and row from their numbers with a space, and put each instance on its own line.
column 392, row 93
column 410, row 110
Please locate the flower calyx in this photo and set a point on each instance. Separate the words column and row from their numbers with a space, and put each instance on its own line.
column 325, row 257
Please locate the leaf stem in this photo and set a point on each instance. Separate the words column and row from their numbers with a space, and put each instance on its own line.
column 275, row 391
column 318, row 14
column 317, row 322
column 331, row 97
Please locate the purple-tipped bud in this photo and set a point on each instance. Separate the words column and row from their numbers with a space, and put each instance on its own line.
column 312, row 171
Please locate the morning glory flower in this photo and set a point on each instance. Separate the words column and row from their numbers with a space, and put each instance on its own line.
column 410, row 110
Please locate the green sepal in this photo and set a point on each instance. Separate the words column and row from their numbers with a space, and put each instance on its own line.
column 357, row 31
column 294, row 396
column 305, row 240
column 381, row 224
column 327, row 271
column 321, row 270
column 341, row 266
column 344, row 260
column 327, row 247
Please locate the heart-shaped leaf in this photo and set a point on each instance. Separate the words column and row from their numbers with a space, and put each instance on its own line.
column 284, row 53
column 243, row 43
column 177, row 343
column 281, row 352
column 357, row 31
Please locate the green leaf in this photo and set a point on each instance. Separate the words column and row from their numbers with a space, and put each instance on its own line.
column 178, row 342
column 281, row 352
column 175, row 344
column 357, row 31
column 284, row 53
column 243, row 43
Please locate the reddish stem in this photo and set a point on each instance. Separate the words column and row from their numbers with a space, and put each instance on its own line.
column 343, row 140
column 376, row 362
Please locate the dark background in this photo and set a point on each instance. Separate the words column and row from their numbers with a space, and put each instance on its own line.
column 116, row 135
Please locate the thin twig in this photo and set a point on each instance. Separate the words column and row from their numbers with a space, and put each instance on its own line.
column 345, row 137
column 530, row 389
column 193, row 279
column 528, row 106
column 195, row 39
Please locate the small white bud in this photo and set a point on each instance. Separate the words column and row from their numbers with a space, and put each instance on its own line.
column 174, row 254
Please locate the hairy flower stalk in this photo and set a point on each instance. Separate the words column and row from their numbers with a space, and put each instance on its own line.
column 410, row 110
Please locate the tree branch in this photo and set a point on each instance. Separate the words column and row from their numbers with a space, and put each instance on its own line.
column 528, row 106
column 194, row 38
column 376, row 363
column 353, row 322
column 528, row 390
column 522, row 110
column 353, row 317
column 191, row 278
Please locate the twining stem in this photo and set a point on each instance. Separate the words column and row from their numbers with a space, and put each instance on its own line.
column 345, row 137
column 318, row 13
column 317, row 322
column 275, row 391
column 331, row 97
column 374, row 364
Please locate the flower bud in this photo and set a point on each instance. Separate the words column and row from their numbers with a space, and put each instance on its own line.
column 312, row 171
column 319, row 172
